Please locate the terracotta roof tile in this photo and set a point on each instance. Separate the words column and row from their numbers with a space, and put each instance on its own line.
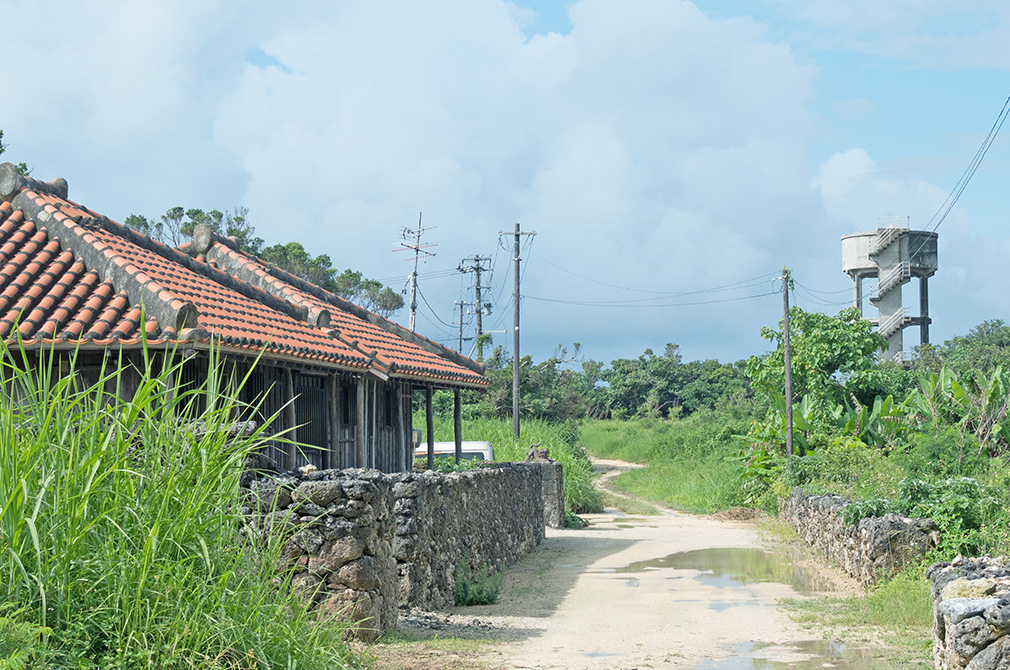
column 69, row 275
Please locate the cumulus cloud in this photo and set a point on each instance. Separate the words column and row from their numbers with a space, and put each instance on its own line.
column 651, row 146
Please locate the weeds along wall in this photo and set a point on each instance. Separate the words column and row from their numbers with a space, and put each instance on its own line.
column 361, row 543
column 869, row 549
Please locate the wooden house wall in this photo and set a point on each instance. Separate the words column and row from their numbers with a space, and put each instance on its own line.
column 343, row 420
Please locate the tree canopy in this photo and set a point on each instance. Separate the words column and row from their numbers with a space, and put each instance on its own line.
column 369, row 293
column 831, row 355
column 176, row 227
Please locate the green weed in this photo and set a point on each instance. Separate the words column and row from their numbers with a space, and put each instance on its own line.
column 475, row 587
column 122, row 532
column 574, row 521
column 900, row 609
column 688, row 459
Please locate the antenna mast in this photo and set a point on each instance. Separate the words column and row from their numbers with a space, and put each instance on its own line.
column 420, row 251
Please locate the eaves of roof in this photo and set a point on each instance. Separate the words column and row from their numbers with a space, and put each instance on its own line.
column 70, row 277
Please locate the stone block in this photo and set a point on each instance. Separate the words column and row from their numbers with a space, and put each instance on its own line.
column 969, row 636
column 320, row 493
column 361, row 574
column 994, row 657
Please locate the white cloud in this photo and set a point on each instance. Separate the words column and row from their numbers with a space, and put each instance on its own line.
column 650, row 146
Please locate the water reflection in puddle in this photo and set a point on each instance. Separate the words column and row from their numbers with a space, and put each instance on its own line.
column 805, row 655
column 725, row 567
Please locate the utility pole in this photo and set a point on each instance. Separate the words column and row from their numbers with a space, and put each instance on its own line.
column 787, row 359
column 515, row 331
column 420, row 251
column 459, row 347
column 476, row 267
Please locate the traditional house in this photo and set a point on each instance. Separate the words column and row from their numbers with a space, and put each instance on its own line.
column 341, row 377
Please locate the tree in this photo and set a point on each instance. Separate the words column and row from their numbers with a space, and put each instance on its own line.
column 664, row 385
column 21, row 167
column 832, row 356
column 175, row 227
column 350, row 284
column 177, row 224
column 985, row 348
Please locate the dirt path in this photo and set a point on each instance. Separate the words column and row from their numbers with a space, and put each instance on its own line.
column 673, row 590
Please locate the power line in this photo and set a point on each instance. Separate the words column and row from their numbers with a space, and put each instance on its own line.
column 969, row 172
column 813, row 290
column 425, row 300
column 640, row 290
column 674, row 304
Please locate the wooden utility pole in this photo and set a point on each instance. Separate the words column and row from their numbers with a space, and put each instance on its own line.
column 787, row 360
column 515, row 331
column 457, row 423
column 515, row 341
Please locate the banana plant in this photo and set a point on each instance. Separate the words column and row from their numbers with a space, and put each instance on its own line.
column 877, row 425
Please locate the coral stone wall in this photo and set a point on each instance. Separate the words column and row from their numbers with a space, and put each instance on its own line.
column 554, row 495
column 868, row 550
column 361, row 543
column 971, row 614
column 339, row 527
column 489, row 516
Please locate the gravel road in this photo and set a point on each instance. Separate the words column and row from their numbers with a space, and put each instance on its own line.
column 674, row 590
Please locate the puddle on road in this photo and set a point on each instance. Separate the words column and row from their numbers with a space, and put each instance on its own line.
column 805, row 655
column 726, row 567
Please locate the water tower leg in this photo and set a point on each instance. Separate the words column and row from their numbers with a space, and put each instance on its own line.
column 924, row 310
column 857, row 293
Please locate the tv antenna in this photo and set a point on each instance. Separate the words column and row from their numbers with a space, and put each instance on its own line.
column 413, row 243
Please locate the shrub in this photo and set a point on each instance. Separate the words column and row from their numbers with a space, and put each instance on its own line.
column 23, row 644
column 475, row 587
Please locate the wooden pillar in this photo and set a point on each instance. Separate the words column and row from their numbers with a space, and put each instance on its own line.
column 429, row 416
column 376, row 462
column 399, row 446
column 457, row 423
column 333, row 400
column 359, row 427
column 291, row 418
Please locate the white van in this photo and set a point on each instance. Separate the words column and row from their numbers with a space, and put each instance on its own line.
column 473, row 450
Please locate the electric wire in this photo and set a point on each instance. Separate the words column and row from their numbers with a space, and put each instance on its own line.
column 640, row 302
column 675, row 304
column 813, row 290
column 420, row 293
column 969, row 172
column 662, row 293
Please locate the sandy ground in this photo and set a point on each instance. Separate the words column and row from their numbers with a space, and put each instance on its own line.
column 607, row 597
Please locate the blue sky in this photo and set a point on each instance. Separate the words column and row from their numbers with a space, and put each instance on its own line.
column 657, row 147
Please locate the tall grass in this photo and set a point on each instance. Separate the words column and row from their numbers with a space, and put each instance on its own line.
column 121, row 530
column 689, row 459
column 560, row 439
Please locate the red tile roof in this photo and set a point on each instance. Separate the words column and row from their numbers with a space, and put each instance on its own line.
column 70, row 277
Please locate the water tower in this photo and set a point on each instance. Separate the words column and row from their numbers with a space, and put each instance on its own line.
column 894, row 255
